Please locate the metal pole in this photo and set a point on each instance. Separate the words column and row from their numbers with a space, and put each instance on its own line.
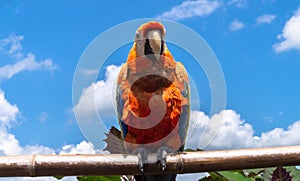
column 118, row 164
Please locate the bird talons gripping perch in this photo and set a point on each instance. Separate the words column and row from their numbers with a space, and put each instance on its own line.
column 162, row 157
column 142, row 159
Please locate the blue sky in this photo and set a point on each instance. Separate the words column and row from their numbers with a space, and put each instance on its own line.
column 257, row 44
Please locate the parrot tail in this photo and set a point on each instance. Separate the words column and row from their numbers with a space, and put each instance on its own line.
column 114, row 143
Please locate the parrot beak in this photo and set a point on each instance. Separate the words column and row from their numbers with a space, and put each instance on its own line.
column 154, row 37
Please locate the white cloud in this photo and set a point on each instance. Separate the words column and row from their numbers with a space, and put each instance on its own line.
column 238, row 3
column 236, row 25
column 9, row 144
column 189, row 9
column 82, row 148
column 290, row 36
column 12, row 45
column 36, row 149
column 28, row 63
column 90, row 71
column 43, row 117
column 265, row 19
column 98, row 97
column 280, row 137
column 8, row 112
column 227, row 130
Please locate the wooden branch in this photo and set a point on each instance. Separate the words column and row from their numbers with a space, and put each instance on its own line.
column 117, row 164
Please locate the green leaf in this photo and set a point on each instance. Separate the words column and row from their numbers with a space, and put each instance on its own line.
column 189, row 150
column 255, row 174
column 235, row 175
column 59, row 177
column 295, row 173
column 98, row 178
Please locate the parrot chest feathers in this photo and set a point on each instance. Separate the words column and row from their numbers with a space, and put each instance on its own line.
column 150, row 83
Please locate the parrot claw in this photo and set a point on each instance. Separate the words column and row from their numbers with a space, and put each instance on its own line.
column 162, row 157
column 142, row 159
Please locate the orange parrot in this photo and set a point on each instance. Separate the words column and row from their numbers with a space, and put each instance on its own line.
column 152, row 99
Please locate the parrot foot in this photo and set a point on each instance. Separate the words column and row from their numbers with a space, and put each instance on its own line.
column 142, row 159
column 162, row 157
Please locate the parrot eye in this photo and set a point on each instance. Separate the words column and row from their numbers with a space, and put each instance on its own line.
column 138, row 35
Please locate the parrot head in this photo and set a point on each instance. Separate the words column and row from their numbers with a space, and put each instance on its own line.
column 149, row 40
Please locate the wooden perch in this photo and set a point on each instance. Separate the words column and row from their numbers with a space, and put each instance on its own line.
column 118, row 164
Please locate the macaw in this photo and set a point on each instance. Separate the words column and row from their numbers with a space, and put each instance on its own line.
column 152, row 99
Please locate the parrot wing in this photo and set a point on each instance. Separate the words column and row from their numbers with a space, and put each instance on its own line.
column 182, row 80
column 122, row 91
column 114, row 139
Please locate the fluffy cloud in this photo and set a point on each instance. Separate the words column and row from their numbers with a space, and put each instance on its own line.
column 12, row 45
column 198, row 8
column 238, row 3
column 189, row 9
column 8, row 112
column 280, row 136
column 82, row 148
column 28, row 63
column 9, row 145
column 90, row 72
column 265, row 19
column 290, row 36
column 227, row 130
column 98, row 97
column 43, row 117
column 236, row 25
